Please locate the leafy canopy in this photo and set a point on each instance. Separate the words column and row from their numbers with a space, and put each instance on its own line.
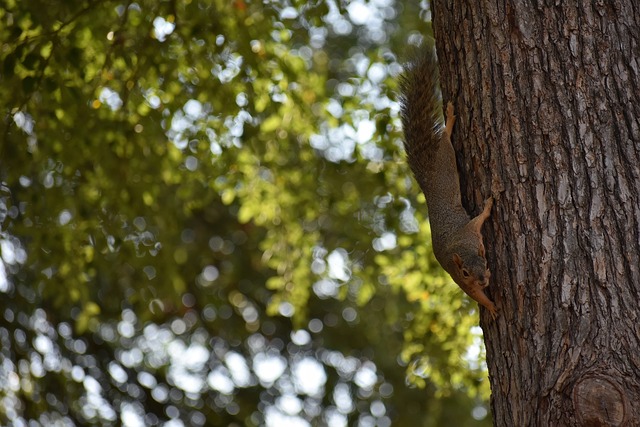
column 205, row 203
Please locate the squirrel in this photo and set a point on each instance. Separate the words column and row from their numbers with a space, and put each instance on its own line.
column 457, row 240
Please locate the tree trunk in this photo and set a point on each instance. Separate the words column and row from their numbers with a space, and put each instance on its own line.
column 547, row 97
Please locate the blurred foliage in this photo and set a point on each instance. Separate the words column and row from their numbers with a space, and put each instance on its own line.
column 206, row 219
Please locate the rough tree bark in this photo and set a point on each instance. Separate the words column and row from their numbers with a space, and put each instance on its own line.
column 547, row 96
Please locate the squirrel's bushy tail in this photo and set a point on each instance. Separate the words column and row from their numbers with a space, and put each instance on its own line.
column 421, row 109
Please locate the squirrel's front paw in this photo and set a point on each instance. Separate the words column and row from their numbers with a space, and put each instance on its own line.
column 493, row 310
column 488, row 204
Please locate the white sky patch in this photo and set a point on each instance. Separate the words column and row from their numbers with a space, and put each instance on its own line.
column 187, row 364
column 275, row 418
column 338, row 268
column 117, row 373
column 176, row 350
column 153, row 100
column 238, row 368
column 195, row 357
column 288, row 13
column 185, row 121
column 184, row 380
column 230, row 70
column 385, row 242
column 337, row 144
column 131, row 358
column 326, row 288
column 194, row 109
column 289, row 404
column 377, row 72
column 378, row 409
column 131, row 416
column 4, row 283
column 475, row 350
column 77, row 374
column 111, row 98
column 179, row 123
column 269, row 367
column 361, row 64
column 336, row 419
column 334, row 108
column 479, row 412
column 300, row 337
column 126, row 329
column 359, row 13
column 309, row 376
column 342, row 398
column 340, row 25
column 346, row 89
column 220, row 381
column 7, row 251
column 366, row 376
column 408, row 222
column 365, row 131
column 286, row 309
column 64, row 217
column 24, row 121
column 210, row 273
column 147, row 380
column 95, row 402
column 162, row 28
column 43, row 344
column 346, row 366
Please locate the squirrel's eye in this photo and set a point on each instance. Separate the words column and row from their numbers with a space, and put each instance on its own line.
column 465, row 273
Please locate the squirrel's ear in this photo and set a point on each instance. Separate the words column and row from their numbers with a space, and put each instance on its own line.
column 481, row 250
column 457, row 260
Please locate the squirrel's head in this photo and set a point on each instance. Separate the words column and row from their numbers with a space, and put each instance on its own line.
column 472, row 268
